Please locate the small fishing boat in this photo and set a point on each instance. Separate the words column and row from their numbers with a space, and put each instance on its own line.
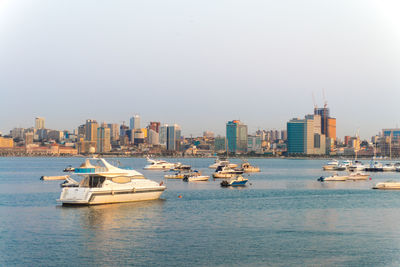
column 332, row 178
column 389, row 185
column 195, row 176
column 358, row 176
column 357, row 166
column 239, row 181
column 331, row 165
column 246, row 167
column 176, row 175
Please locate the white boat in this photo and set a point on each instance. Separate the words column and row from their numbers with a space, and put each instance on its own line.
column 334, row 177
column 344, row 165
column 389, row 167
column 358, row 176
column 357, row 166
column 159, row 165
column 390, row 185
column 109, row 184
column 195, row 177
column 246, row 167
column 331, row 165
column 222, row 162
column 226, row 172
column 177, row 175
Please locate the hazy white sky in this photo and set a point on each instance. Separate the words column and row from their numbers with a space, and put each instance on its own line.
column 200, row 63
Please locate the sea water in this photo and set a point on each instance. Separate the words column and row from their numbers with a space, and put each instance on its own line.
column 283, row 217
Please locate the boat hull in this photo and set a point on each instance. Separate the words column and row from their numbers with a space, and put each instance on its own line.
column 68, row 197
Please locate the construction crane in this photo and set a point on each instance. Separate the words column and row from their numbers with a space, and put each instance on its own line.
column 323, row 95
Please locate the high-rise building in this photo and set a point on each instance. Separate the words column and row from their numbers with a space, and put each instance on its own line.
column 39, row 123
column 254, row 143
column 173, row 137
column 155, row 126
column 103, row 139
column 134, row 122
column 304, row 136
column 236, row 135
column 324, row 113
column 163, row 135
column 331, row 130
column 220, row 144
column 153, row 137
column 114, row 131
column 28, row 138
column 91, row 130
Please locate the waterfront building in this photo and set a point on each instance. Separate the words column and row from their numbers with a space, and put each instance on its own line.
column 296, row 130
column 91, row 130
column 6, row 142
column 134, row 122
column 254, row 143
column 220, row 144
column 324, row 113
column 18, row 133
column 39, row 123
column 28, row 138
column 236, row 135
column 55, row 135
column 173, row 137
column 304, row 136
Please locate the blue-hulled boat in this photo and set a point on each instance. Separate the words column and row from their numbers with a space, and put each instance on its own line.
column 239, row 181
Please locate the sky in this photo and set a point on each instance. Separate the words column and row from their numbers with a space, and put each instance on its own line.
column 200, row 63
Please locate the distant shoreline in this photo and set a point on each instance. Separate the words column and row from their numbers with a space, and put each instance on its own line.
column 211, row 157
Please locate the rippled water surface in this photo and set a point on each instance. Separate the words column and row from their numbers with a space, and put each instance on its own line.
column 284, row 217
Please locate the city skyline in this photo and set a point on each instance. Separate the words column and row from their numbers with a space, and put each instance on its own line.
column 211, row 62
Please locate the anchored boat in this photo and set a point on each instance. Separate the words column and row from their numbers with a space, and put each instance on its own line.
column 109, row 184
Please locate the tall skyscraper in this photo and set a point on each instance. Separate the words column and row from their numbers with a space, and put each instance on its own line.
column 91, row 130
column 103, row 139
column 114, row 131
column 324, row 113
column 163, row 135
column 134, row 122
column 173, row 137
column 39, row 123
column 236, row 135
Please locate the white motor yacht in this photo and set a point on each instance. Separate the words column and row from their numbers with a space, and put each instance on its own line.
column 389, row 167
column 109, row 184
column 222, row 162
column 159, row 165
column 344, row 165
column 357, row 166
column 331, row 165
column 390, row 185
column 226, row 172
